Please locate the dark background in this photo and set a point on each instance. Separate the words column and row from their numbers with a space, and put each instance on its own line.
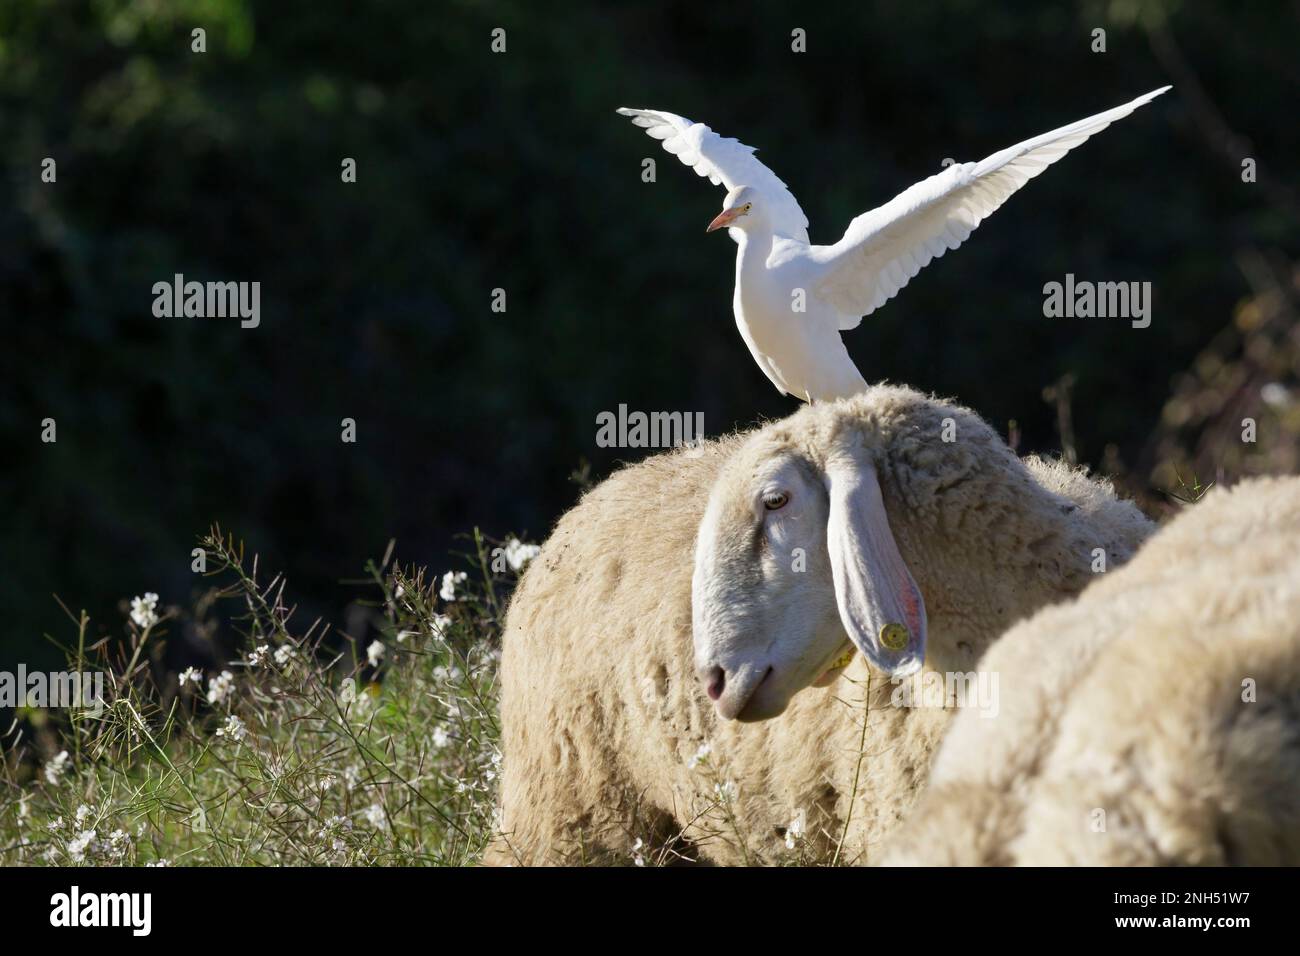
column 478, row 170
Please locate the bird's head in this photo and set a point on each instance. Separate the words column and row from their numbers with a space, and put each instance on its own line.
column 740, row 209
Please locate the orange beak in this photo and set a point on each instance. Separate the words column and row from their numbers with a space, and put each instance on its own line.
column 724, row 218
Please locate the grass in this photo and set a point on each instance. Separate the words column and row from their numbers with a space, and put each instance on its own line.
column 292, row 754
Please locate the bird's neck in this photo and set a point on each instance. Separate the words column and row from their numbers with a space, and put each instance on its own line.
column 754, row 246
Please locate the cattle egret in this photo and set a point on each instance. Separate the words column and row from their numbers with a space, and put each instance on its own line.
column 793, row 299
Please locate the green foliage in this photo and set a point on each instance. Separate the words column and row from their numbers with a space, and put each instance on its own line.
column 293, row 756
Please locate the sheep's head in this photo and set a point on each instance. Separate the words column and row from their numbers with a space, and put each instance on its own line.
column 795, row 565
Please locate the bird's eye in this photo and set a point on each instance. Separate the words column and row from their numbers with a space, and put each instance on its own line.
column 747, row 205
column 775, row 500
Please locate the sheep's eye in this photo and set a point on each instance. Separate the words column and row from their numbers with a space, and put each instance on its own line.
column 775, row 500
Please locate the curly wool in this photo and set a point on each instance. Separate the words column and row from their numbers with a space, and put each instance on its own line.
column 1155, row 720
column 601, row 712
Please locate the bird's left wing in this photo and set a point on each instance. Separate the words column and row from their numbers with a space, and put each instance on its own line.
column 726, row 162
column 884, row 248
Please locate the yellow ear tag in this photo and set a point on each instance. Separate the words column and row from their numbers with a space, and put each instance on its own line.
column 844, row 660
column 894, row 636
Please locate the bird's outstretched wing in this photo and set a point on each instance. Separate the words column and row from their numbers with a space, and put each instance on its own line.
column 884, row 248
column 726, row 162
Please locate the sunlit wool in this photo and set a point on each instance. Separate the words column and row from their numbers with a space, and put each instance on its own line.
column 1153, row 721
column 607, row 734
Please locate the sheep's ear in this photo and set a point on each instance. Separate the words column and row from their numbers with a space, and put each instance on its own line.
column 879, row 603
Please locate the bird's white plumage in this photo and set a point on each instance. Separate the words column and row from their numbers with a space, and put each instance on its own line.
column 884, row 248
column 726, row 162
column 801, row 351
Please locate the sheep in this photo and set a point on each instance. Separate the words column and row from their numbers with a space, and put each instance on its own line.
column 1154, row 720
column 608, row 739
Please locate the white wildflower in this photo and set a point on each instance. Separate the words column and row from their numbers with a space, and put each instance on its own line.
column 440, row 737
column 726, row 791
column 332, row 825
column 78, row 846
column 701, row 756
column 374, row 815
column 221, row 687
column 24, row 809
column 796, row 829
column 84, row 812
column 518, row 554
column 283, row 654
column 258, row 657
column 191, row 675
column 119, row 844
column 234, row 728
column 439, row 624
column 144, row 610
column 375, row 653
column 1275, row 395
column 351, row 777
column 637, row 857
column 449, row 582
column 447, row 675
column 333, row 831
column 54, row 768
column 162, row 862
column 363, row 705
column 402, row 635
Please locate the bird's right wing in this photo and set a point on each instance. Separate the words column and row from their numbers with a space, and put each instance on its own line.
column 726, row 162
column 884, row 248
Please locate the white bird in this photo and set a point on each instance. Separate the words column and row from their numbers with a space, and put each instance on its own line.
column 792, row 298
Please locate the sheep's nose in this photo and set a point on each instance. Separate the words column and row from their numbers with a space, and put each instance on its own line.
column 716, row 682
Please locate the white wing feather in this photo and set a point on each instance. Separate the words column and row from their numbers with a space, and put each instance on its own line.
column 884, row 248
column 726, row 162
